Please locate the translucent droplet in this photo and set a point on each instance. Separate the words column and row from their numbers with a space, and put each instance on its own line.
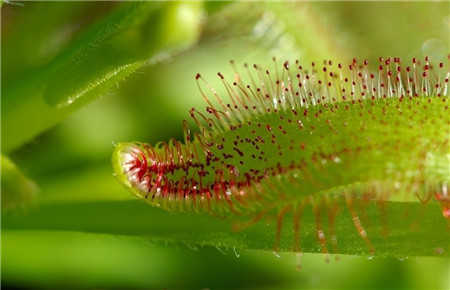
column 236, row 253
column 220, row 250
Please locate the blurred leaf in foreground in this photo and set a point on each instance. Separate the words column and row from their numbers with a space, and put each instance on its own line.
column 17, row 191
column 130, row 35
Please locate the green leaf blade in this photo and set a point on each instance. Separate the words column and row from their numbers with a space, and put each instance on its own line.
column 106, row 55
column 134, row 218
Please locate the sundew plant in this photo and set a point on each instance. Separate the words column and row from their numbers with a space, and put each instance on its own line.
column 225, row 144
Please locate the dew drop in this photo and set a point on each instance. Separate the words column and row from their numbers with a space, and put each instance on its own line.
column 276, row 254
column 220, row 250
column 236, row 254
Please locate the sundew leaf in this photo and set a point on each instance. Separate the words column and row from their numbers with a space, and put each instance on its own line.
column 113, row 48
column 303, row 143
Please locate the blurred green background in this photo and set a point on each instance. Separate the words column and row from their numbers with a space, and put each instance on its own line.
column 80, row 76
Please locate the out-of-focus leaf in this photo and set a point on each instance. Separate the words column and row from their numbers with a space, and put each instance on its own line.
column 57, row 259
column 69, row 259
column 17, row 190
column 368, row 30
column 110, row 50
column 138, row 219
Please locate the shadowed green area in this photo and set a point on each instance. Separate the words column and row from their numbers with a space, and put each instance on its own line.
column 88, row 260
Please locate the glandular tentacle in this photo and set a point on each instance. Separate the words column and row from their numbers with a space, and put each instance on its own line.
column 304, row 136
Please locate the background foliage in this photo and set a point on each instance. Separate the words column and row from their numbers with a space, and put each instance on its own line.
column 78, row 76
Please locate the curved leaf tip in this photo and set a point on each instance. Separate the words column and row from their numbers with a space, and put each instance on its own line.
column 323, row 137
